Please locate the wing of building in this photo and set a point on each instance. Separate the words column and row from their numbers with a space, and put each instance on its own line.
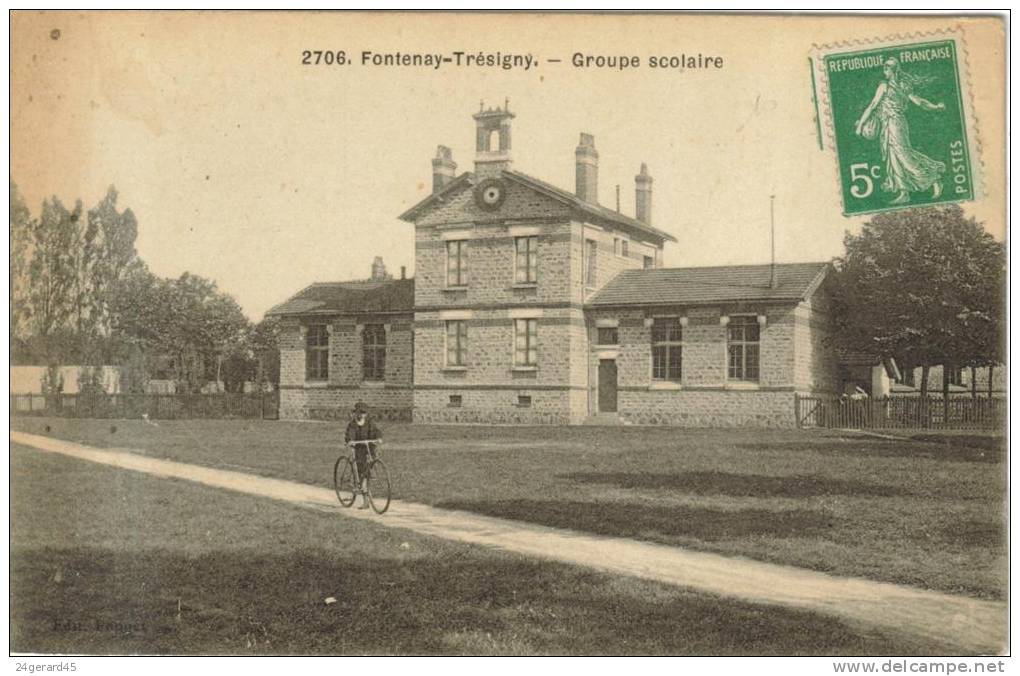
column 532, row 304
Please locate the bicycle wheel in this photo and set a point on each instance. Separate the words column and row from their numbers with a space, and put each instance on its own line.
column 343, row 481
column 378, row 486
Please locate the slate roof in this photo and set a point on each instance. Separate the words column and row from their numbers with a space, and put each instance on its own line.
column 355, row 297
column 595, row 212
column 701, row 286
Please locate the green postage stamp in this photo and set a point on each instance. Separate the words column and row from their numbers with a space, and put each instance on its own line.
column 899, row 115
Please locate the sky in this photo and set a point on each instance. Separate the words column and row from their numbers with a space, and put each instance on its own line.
column 247, row 167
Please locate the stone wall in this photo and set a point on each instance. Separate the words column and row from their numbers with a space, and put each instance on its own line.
column 704, row 396
column 390, row 398
column 706, row 408
column 331, row 403
column 494, row 406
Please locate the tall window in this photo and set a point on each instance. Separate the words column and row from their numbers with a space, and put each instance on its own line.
column 456, row 343
column 624, row 248
column 743, row 336
column 649, row 262
column 667, row 349
column 526, row 266
column 525, row 342
column 456, row 263
column 955, row 375
column 317, row 353
column 373, row 352
column 590, row 251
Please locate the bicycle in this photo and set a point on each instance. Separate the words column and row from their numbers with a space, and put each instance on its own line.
column 347, row 483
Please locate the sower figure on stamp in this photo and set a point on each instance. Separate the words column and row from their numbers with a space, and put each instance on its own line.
column 906, row 170
column 362, row 428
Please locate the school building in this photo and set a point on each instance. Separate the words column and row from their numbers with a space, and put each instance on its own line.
column 532, row 304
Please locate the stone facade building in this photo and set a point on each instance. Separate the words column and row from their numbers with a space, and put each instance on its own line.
column 534, row 305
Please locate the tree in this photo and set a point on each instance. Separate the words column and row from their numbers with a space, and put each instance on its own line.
column 187, row 320
column 110, row 241
column 265, row 345
column 924, row 286
column 52, row 269
column 20, row 255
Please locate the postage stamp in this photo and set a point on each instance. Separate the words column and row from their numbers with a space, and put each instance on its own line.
column 899, row 119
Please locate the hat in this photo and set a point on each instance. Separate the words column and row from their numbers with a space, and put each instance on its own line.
column 360, row 408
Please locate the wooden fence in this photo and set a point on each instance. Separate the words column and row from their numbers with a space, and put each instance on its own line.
column 154, row 406
column 903, row 412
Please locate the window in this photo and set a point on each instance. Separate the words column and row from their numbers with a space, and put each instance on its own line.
column 456, row 400
column 317, row 353
column 591, row 250
column 456, row 343
column 743, row 335
column 608, row 335
column 524, row 400
column 667, row 349
column 955, row 376
column 526, row 266
column 525, row 342
column 907, row 376
column 649, row 262
column 373, row 352
column 624, row 248
column 456, row 263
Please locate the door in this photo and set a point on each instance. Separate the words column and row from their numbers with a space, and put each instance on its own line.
column 607, row 386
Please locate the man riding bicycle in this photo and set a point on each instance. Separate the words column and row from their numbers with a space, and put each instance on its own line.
column 362, row 428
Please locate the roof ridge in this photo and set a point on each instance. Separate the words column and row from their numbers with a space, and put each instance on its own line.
column 728, row 267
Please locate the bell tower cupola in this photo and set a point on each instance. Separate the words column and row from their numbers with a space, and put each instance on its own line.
column 492, row 140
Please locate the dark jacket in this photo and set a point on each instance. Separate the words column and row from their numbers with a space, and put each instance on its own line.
column 356, row 432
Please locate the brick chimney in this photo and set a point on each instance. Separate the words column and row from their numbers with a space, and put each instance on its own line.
column 587, row 159
column 444, row 169
column 643, row 196
column 492, row 140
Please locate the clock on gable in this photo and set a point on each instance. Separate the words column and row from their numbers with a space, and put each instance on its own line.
column 490, row 193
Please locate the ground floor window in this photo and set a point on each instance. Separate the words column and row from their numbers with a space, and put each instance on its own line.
column 743, row 339
column 456, row 343
column 667, row 349
column 373, row 352
column 317, row 352
column 525, row 342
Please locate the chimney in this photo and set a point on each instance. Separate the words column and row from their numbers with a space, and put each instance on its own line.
column 492, row 140
column 587, row 159
column 643, row 196
column 444, row 169
column 403, row 272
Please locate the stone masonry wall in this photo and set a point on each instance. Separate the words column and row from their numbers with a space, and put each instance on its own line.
column 705, row 396
column 389, row 399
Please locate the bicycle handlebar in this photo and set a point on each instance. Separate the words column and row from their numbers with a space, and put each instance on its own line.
column 364, row 441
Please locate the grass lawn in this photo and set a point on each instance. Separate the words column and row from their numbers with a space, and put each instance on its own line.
column 928, row 513
column 111, row 561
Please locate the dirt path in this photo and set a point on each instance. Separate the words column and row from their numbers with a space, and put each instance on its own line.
column 964, row 624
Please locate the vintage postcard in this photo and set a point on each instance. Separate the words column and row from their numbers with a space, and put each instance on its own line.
column 364, row 333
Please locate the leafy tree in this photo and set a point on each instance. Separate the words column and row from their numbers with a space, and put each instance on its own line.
column 265, row 345
column 52, row 269
column 20, row 255
column 925, row 286
column 186, row 319
column 110, row 253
